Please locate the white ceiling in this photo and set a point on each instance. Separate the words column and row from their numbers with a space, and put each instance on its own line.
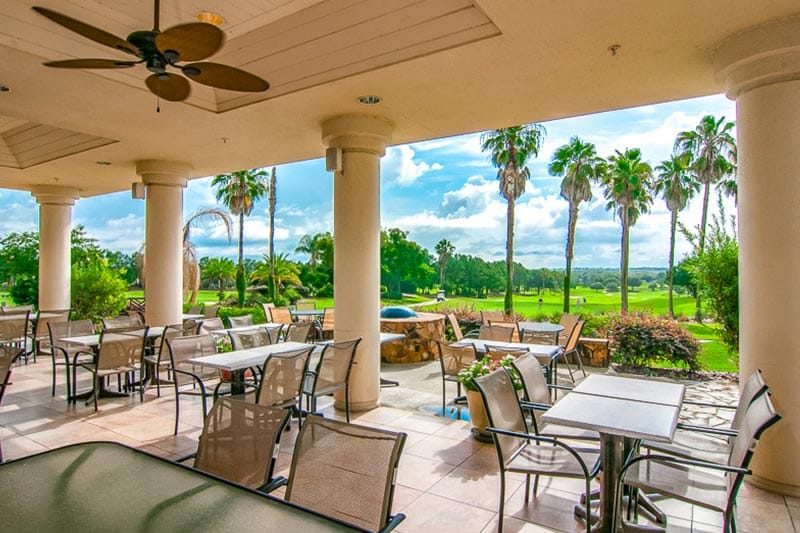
column 462, row 68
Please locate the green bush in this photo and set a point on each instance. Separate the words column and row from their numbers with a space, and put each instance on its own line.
column 641, row 339
column 97, row 291
column 25, row 290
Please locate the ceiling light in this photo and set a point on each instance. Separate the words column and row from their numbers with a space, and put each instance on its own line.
column 4, row 88
column 211, row 18
column 369, row 99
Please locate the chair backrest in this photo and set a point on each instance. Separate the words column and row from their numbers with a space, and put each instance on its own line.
column 305, row 305
column 14, row 328
column 568, row 321
column 282, row 380
column 211, row 324
column 183, row 348
column 504, row 412
column 281, row 315
column 121, row 348
column 345, row 471
column 753, row 387
column 41, row 322
column 242, row 340
column 328, row 319
column 536, row 337
column 455, row 358
column 759, row 417
column 73, row 328
column 268, row 307
column 195, row 310
column 8, row 355
column 210, row 311
column 496, row 332
column 16, row 310
column 534, row 383
column 451, row 318
column 334, row 365
column 239, row 321
column 173, row 331
column 497, row 353
column 300, row 331
column 492, row 316
column 125, row 321
column 572, row 341
column 240, row 441
column 274, row 333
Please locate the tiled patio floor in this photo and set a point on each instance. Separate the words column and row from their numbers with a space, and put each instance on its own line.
column 448, row 482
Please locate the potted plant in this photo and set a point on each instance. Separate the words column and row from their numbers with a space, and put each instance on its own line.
column 477, row 409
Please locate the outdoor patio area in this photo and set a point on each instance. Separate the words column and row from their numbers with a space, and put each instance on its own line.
column 447, row 481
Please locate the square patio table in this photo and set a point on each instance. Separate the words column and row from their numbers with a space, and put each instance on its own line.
column 549, row 350
column 238, row 361
column 105, row 486
column 619, row 420
column 91, row 341
column 640, row 390
column 239, row 329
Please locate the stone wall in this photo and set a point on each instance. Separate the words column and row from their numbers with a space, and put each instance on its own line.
column 422, row 332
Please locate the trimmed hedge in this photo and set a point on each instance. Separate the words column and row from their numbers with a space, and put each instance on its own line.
column 641, row 339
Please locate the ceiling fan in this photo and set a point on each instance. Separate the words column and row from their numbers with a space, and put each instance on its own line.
column 160, row 51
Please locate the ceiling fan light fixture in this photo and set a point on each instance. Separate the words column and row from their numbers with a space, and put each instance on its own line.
column 191, row 71
column 4, row 88
column 209, row 17
column 369, row 99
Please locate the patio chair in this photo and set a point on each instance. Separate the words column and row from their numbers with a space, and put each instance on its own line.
column 452, row 360
column 305, row 305
column 496, row 332
column 570, row 348
column 274, row 333
column 189, row 379
column 195, row 310
column 282, row 380
column 281, row 315
column 492, row 316
column 496, row 353
column 268, row 307
column 14, row 333
column 239, row 321
column 711, row 443
column 242, row 340
column 345, row 471
column 521, row 452
column 328, row 323
column 9, row 354
column 529, row 336
column 568, row 321
column 332, row 373
column 240, row 442
column 210, row 311
column 41, row 335
column 537, row 396
column 706, row 484
column 120, row 353
column 63, row 353
column 123, row 321
column 210, row 325
column 159, row 360
column 301, row 331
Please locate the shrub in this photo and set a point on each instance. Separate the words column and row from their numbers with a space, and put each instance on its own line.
column 640, row 339
column 596, row 286
column 25, row 290
column 97, row 291
column 612, row 286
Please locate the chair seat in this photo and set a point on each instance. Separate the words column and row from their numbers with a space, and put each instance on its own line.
column 551, row 460
column 153, row 360
column 693, row 445
column 566, row 432
column 689, row 484
column 119, row 370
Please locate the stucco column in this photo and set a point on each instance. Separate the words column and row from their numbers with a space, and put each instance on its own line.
column 761, row 69
column 55, row 239
column 163, row 267
column 356, row 228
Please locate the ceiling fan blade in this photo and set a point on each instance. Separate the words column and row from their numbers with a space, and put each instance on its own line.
column 90, row 32
column 90, row 63
column 193, row 41
column 224, row 77
column 174, row 88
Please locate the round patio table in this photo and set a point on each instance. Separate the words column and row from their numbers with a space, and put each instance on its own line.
column 546, row 328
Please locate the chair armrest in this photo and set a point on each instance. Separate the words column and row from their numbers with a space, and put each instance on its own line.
column 472, row 334
column 554, row 442
column 559, row 387
column 668, row 459
column 533, row 406
column 393, row 522
column 186, row 458
column 725, row 432
column 274, row 484
column 706, row 404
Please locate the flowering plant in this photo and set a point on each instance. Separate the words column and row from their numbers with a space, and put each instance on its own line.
column 223, row 344
column 485, row 366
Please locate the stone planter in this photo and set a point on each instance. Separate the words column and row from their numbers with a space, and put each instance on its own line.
column 421, row 333
column 478, row 416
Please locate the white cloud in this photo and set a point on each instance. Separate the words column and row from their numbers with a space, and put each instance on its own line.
column 399, row 165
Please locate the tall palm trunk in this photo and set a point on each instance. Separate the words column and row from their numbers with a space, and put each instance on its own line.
column 241, row 282
column 441, row 275
column 573, row 221
column 272, row 201
column 623, row 277
column 672, row 226
column 698, row 311
column 509, row 299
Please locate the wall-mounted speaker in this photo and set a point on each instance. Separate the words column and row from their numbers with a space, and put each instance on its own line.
column 333, row 159
column 137, row 190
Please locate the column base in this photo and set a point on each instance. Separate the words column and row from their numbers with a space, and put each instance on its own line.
column 773, row 486
column 358, row 407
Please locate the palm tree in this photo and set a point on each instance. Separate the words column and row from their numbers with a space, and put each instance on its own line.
column 272, row 201
column 286, row 272
column 677, row 186
column 220, row 269
column 510, row 149
column 627, row 189
column 579, row 164
column 445, row 250
column 712, row 149
column 239, row 191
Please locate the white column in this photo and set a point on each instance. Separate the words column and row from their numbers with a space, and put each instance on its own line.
column 163, row 270
column 55, row 227
column 761, row 69
column 356, row 228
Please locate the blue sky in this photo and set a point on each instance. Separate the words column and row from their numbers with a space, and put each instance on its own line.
column 444, row 188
